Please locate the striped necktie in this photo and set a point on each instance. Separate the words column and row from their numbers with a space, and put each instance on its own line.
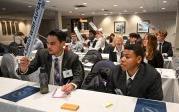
column 57, row 73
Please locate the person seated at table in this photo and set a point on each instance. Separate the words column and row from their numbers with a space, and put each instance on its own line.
column 135, row 78
column 163, row 46
column 132, row 38
column 116, row 49
column 62, row 66
column 75, row 45
column 92, row 39
column 152, row 55
column 110, row 38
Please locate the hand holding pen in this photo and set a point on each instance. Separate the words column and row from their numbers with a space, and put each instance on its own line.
column 68, row 87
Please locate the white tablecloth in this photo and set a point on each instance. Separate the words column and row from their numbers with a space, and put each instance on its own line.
column 170, row 85
column 89, row 101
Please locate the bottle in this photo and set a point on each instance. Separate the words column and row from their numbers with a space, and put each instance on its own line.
column 43, row 78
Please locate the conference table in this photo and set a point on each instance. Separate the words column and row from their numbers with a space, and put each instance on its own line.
column 88, row 101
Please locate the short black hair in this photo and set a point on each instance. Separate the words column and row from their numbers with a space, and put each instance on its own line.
column 92, row 31
column 59, row 34
column 133, row 35
column 138, row 50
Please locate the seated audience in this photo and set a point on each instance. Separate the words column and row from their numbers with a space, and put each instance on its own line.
column 110, row 38
column 135, row 78
column 163, row 46
column 92, row 39
column 38, row 44
column 152, row 55
column 75, row 45
column 132, row 38
column 116, row 49
column 19, row 38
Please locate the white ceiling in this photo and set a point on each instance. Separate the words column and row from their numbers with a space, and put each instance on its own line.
column 94, row 7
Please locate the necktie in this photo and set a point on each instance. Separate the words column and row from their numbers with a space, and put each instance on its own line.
column 57, row 77
column 128, row 86
column 94, row 43
column 160, row 47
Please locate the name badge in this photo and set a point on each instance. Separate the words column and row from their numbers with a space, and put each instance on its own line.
column 67, row 73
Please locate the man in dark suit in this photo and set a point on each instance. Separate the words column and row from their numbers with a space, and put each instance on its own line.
column 134, row 77
column 62, row 66
column 163, row 46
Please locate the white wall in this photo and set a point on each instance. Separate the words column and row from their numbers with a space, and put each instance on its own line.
column 158, row 20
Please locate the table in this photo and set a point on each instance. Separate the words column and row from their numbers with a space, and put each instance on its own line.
column 89, row 101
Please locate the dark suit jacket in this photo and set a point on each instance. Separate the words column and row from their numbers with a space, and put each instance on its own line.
column 146, row 84
column 112, row 55
column 157, row 60
column 70, row 62
column 167, row 48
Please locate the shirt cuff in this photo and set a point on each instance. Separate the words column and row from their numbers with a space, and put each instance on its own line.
column 74, row 85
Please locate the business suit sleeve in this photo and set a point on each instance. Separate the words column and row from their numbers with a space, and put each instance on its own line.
column 159, row 59
column 78, row 72
column 34, row 64
column 155, row 90
column 170, row 51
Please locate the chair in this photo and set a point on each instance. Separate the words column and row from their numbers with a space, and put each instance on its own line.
column 98, row 77
column 92, row 56
column 8, row 65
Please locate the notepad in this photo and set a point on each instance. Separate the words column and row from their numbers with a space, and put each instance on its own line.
column 68, row 106
column 144, row 105
column 20, row 93
column 58, row 93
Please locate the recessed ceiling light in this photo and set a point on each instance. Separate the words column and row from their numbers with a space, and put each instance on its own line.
column 76, row 8
column 164, row 1
column 47, row 1
column 84, row 3
column 82, row 14
column 163, row 8
column 29, row 6
column 115, row 5
column 70, row 11
column 141, row 7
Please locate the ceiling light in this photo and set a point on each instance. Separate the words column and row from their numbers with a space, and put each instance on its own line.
column 141, row 7
column 76, row 8
column 29, row 6
column 84, row 3
column 82, row 14
column 115, row 5
column 163, row 8
column 47, row 1
column 164, row 1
